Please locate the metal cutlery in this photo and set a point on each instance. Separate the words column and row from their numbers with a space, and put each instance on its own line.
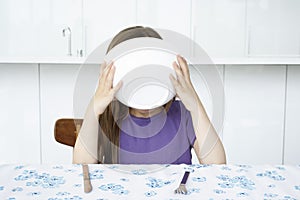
column 182, row 189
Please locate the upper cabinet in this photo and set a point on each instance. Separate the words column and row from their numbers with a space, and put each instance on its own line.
column 173, row 15
column 273, row 28
column 218, row 27
column 34, row 28
column 223, row 28
column 104, row 19
column 62, row 15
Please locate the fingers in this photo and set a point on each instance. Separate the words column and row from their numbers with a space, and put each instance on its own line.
column 105, row 70
column 176, row 85
column 179, row 74
column 110, row 76
column 102, row 67
column 184, row 67
column 107, row 77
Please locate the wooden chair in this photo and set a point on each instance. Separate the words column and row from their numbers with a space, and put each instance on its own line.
column 66, row 131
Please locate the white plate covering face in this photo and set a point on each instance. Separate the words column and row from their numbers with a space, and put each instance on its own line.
column 145, row 75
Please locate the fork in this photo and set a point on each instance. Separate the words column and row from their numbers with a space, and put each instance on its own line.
column 182, row 189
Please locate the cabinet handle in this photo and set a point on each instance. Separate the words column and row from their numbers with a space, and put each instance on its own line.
column 193, row 36
column 84, row 40
column 299, row 45
column 248, row 40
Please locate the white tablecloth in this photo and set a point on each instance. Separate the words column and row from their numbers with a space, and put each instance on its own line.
column 65, row 182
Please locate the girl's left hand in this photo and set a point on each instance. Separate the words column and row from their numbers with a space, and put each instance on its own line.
column 183, row 85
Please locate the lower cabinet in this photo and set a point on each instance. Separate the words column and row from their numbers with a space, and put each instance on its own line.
column 19, row 114
column 292, row 122
column 260, row 125
column 254, row 114
column 57, row 85
column 65, row 93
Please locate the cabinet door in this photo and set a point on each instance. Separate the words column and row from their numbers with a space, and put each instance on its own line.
column 254, row 114
column 57, row 86
column 273, row 27
column 104, row 19
column 219, row 27
column 34, row 28
column 65, row 93
column 292, row 131
column 17, row 17
column 59, row 15
column 19, row 116
column 168, row 14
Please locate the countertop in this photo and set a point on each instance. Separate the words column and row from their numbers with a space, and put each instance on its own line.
column 218, row 61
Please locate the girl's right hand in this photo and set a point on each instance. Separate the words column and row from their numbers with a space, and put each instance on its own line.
column 105, row 91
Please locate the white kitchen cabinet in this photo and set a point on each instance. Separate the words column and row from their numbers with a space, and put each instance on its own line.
column 57, row 86
column 273, row 28
column 19, row 114
column 60, row 15
column 172, row 15
column 34, row 28
column 254, row 115
column 292, row 130
column 218, row 27
column 17, row 17
column 104, row 19
column 65, row 93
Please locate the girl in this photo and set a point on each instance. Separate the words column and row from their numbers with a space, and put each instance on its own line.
column 114, row 133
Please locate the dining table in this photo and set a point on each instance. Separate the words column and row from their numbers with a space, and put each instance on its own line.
column 157, row 181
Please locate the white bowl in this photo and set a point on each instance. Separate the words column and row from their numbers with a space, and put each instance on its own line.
column 145, row 75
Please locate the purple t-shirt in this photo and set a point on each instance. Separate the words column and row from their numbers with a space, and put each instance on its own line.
column 165, row 138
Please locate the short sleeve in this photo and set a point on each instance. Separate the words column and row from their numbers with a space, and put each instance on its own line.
column 187, row 118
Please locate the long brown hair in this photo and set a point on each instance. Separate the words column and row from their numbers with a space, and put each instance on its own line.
column 110, row 120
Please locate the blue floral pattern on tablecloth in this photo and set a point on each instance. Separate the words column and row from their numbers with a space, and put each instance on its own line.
column 212, row 182
column 271, row 174
column 35, row 179
column 114, row 188
column 237, row 181
column 150, row 193
column 157, row 183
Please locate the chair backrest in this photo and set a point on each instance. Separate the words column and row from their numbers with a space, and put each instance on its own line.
column 66, row 131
